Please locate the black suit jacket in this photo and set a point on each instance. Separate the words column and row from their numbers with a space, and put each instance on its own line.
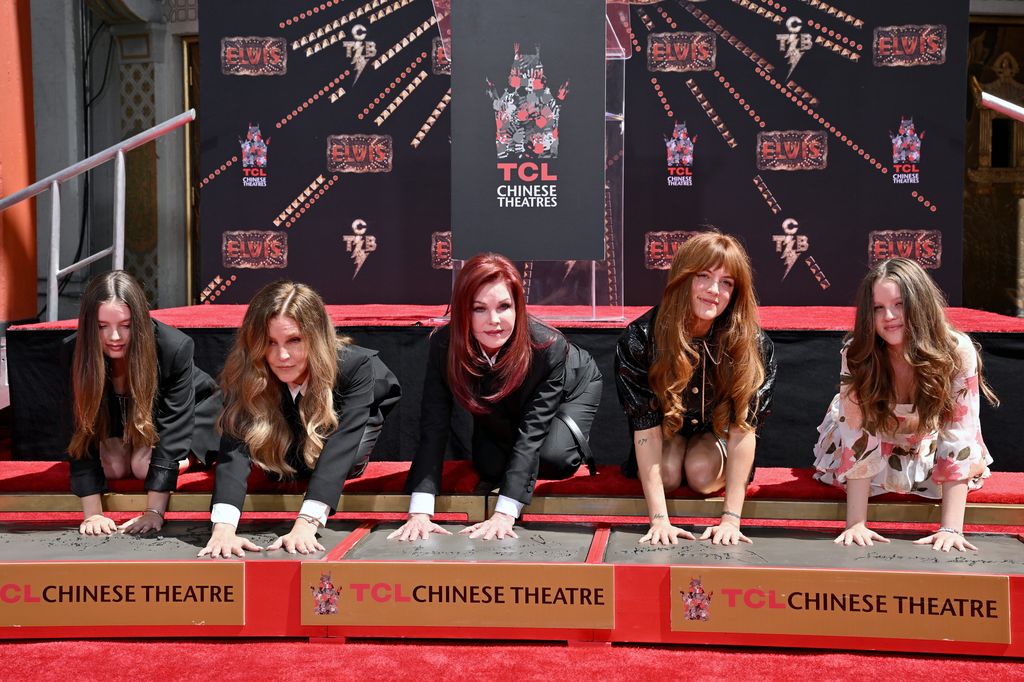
column 178, row 382
column 363, row 386
column 517, row 425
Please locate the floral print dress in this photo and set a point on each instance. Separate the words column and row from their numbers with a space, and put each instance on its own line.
column 908, row 462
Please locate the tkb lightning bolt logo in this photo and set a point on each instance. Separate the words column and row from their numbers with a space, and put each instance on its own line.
column 790, row 245
column 793, row 44
column 359, row 244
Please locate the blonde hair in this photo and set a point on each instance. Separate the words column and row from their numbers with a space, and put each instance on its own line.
column 252, row 398
column 89, row 367
column 930, row 347
column 741, row 371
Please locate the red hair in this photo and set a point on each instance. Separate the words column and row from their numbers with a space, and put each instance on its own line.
column 466, row 363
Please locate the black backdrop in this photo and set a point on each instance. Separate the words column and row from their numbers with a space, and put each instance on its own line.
column 392, row 196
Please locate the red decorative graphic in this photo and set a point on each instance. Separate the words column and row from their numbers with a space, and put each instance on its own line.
column 253, row 56
column 696, row 602
column 359, row 153
column 660, row 247
column 681, row 51
column 910, row 45
column 526, row 113
column 254, row 249
column 924, row 246
column 441, row 250
column 792, row 150
column 325, row 596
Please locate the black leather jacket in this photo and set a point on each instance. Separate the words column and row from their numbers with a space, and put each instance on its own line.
column 634, row 355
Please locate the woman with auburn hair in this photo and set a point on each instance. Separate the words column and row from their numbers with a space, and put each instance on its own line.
column 299, row 401
column 695, row 376
column 138, row 403
column 533, row 397
column 906, row 418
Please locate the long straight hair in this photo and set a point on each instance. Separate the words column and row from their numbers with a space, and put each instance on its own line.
column 89, row 372
column 929, row 346
column 740, row 372
column 465, row 359
column 252, row 393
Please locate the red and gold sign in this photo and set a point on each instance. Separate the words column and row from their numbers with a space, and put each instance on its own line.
column 924, row 246
column 256, row 249
column 909, row 45
column 253, row 56
column 359, row 153
column 122, row 593
column 931, row 606
column 458, row 595
column 682, row 51
column 792, row 150
column 661, row 247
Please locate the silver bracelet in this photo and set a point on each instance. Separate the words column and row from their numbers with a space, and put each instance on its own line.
column 154, row 511
column 311, row 520
column 946, row 529
column 732, row 514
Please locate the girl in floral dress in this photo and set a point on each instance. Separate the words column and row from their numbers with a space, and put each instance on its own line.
column 906, row 416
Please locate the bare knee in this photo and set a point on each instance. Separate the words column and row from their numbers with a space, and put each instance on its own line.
column 113, row 459
column 140, row 462
column 671, row 474
column 703, row 475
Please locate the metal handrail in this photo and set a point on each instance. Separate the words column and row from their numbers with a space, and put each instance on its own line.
column 1005, row 107
column 53, row 182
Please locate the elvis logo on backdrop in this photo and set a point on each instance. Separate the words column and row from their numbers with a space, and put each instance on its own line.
column 681, row 51
column 794, row 43
column 906, row 153
column 253, row 56
column 359, row 244
column 790, row 245
column 441, row 250
column 924, row 246
column 526, row 117
column 679, row 149
column 254, row 157
column 792, row 150
column 359, row 50
column 696, row 601
column 661, row 247
column 254, row 249
column 359, row 153
column 909, row 45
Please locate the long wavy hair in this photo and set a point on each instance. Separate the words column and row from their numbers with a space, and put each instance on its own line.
column 740, row 371
column 929, row 346
column 252, row 393
column 90, row 368
column 466, row 364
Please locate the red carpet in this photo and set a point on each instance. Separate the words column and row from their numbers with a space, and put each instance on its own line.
column 826, row 318
column 296, row 660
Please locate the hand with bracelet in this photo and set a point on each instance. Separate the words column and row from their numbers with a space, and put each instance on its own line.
column 662, row 532
column 727, row 532
column 301, row 539
column 152, row 519
column 947, row 538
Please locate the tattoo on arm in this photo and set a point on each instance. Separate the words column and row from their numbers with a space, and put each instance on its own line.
column 642, row 441
column 655, row 517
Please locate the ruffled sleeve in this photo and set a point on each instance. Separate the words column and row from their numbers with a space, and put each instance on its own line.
column 632, row 361
column 960, row 447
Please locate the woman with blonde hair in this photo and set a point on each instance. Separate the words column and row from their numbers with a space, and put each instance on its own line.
column 695, row 376
column 906, row 418
column 299, row 401
column 138, row 403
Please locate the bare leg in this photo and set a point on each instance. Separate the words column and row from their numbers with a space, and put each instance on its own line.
column 115, row 458
column 673, row 453
column 705, row 464
column 140, row 462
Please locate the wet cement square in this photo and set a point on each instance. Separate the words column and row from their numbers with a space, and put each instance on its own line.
column 792, row 548
column 177, row 540
column 537, row 543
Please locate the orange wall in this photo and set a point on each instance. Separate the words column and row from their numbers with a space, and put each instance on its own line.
column 17, row 164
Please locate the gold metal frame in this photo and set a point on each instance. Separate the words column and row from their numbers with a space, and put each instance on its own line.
column 187, row 41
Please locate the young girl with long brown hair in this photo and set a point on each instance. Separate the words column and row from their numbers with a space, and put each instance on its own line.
column 905, row 419
column 299, row 401
column 138, row 403
column 695, row 377
column 533, row 397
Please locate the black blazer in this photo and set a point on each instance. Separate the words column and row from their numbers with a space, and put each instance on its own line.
column 363, row 386
column 179, row 382
column 517, row 425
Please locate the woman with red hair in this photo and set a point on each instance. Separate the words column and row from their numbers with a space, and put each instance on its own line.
column 533, row 396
